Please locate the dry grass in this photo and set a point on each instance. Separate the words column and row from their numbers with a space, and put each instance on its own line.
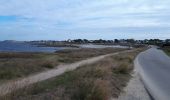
column 166, row 50
column 98, row 81
column 17, row 55
column 18, row 65
column 69, row 56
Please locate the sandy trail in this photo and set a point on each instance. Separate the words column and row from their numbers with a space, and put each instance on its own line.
column 18, row 84
column 135, row 90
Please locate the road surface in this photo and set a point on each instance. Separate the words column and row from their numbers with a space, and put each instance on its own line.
column 153, row 66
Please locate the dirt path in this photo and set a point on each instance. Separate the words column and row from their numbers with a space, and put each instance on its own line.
column 135, row 90
column 17, row 84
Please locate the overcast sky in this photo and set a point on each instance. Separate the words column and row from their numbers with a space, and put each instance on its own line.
column 91, row 19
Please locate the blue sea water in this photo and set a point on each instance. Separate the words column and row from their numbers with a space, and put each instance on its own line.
column 8, row 46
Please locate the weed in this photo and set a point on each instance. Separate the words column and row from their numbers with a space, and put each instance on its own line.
column 48, row 64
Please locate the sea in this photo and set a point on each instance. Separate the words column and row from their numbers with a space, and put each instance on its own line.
column 15, row 46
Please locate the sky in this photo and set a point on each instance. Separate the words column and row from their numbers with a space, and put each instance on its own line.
column 90, row 19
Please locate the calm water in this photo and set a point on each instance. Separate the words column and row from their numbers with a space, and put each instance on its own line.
column 25, row 47
column 9, row 46
column 101, row 46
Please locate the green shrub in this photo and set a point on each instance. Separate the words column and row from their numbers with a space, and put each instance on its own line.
column 48, row 65
column 122, row 69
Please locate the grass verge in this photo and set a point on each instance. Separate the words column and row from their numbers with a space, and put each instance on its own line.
column 18, row 65
column 166, row 50
column 98, row 81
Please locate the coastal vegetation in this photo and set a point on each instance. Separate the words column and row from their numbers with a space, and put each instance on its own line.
column 167, row 50
column 99, row 81
column 18, row 65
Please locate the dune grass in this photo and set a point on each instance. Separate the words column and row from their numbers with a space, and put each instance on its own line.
column 99, row 81
column 166, row 50
column 18, row 65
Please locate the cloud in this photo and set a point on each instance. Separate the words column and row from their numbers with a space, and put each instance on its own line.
column 91, row 16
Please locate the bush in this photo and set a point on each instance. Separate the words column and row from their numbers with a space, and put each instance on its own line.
column 122, row 69
column 90, row 89
column 6, row 74
column 48, row 65
column 100, row 90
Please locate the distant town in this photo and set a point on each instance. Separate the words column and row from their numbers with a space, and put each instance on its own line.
column 104, row 42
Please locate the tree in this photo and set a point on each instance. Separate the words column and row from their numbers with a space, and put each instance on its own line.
column 130, row 41
column 116, row 41
column 86, row 41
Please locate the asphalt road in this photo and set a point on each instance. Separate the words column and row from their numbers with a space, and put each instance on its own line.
column 154, row 68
